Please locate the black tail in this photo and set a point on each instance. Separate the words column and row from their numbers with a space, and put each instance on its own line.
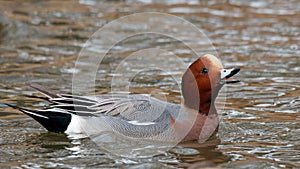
column 52, row 119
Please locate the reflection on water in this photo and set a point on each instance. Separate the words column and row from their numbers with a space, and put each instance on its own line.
column 40, row 41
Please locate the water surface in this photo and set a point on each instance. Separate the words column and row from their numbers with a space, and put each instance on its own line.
column 40, row 42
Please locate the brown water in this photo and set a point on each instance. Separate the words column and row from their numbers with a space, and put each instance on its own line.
column 260, row 124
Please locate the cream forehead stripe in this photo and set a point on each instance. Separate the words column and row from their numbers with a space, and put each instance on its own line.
column 212, row 60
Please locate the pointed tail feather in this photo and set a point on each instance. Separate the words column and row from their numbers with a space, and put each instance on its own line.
column 52, row 119
column 30, row 113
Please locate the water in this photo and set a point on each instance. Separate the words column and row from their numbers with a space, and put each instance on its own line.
column 40, row 42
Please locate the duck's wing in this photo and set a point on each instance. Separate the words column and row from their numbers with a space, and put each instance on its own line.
column 133, row 108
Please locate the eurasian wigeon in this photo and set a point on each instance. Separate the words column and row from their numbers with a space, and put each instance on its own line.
column 142, row 116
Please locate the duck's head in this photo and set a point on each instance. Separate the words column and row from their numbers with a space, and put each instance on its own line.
column 202, row 81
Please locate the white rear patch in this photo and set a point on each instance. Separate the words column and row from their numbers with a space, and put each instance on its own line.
column 75, row 125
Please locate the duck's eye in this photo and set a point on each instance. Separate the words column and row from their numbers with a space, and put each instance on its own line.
column 204, row 71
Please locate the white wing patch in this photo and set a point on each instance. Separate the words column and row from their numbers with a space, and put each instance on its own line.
column 134, row 122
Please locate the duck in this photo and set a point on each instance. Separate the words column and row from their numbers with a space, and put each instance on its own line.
column 140, row 116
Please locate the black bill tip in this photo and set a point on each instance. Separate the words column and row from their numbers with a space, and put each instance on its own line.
column 228, row 78
column 232, row 73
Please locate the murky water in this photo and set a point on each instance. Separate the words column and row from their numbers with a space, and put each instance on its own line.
column 260, row 127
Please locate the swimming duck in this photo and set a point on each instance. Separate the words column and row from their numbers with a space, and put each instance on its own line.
column 141, row 116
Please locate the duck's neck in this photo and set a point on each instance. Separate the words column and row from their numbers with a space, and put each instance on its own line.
column 203, row 102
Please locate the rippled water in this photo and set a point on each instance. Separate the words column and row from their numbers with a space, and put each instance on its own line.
column 40, row 42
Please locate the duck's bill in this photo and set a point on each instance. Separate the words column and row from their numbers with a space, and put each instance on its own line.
column 226, row 75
